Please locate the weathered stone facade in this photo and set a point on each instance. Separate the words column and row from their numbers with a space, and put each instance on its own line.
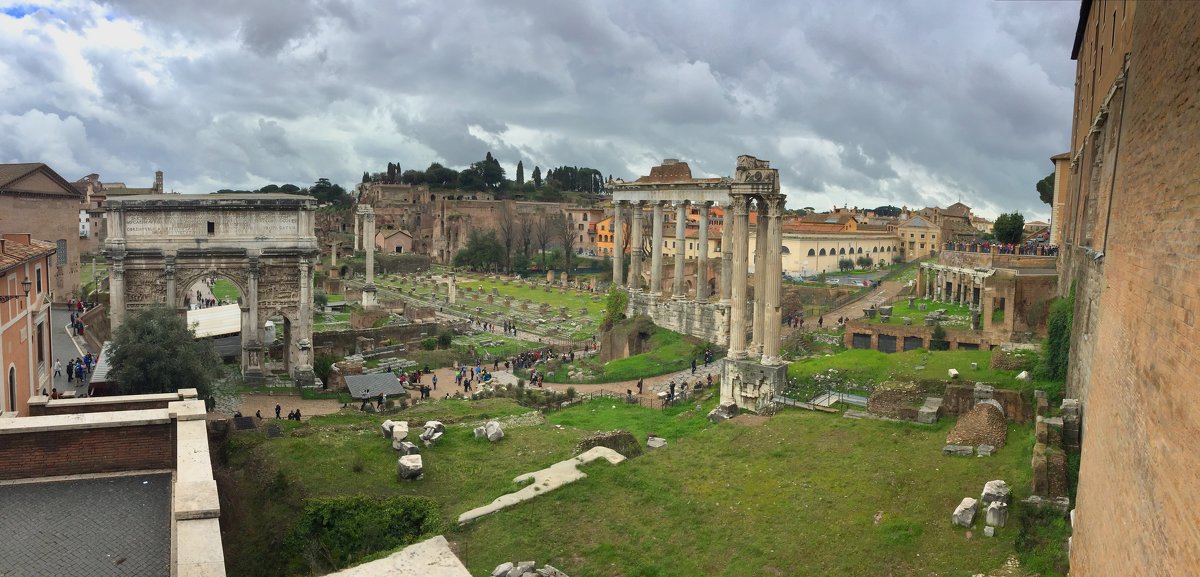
column 1130, row 224
column 264, row 244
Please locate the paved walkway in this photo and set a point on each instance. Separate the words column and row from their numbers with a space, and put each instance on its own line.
column 881, row 295
column 66, row 347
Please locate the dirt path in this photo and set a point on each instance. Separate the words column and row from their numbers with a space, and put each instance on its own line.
column 880, row 296
column 266, row 404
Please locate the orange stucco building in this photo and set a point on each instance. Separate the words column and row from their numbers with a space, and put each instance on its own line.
column 25, row 345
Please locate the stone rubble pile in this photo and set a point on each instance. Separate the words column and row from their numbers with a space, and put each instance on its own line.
column 994, row 501
column 984, row 424
column 726, row 410
column 409, row 466
column 433, row 431
column 526, row 569
column 492, row 430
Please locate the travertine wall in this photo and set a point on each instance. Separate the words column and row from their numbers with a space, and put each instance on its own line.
column 1136, row 327
column 708, row 321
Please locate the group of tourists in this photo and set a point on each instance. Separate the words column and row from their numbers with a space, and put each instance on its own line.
column 1028, row 249
column 77, row 368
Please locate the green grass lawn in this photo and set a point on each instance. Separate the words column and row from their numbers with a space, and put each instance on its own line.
column 330, row 321
column 501, row 346
column 958, row 316
column 225, row 290
column 801, row 494
column 666, row 352
column 525, row 319
column 871, row 367
column 795, row 496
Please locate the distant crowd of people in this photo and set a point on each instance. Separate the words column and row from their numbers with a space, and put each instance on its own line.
column 1004, row 248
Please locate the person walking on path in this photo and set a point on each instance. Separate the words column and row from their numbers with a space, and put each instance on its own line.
column 693, row 366
column 278, row 409
column 57, row 368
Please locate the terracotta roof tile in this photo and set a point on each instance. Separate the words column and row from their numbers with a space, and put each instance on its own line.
column 16, row 252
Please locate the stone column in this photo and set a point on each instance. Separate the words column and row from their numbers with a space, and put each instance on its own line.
column 369, row 296
column 252, row 349
column 452, row 290
column 702, row 256
column 333, row 254
column 921, row 282
column 761, row 250
column 727, row 255
column 656, row 251
column 116, row 290
column 302, row 370
column 357, row 240
column 169, row 269
column 773, row 295
column 737, row 296
column 677, row 290
column 618, row 231
column 635, row 247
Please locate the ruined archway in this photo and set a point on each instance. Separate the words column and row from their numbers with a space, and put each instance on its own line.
column 264, row 244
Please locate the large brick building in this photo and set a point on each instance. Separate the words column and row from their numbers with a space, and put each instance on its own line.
column 1129, row 227
column 34, row 198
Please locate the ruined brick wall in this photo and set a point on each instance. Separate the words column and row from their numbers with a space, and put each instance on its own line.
column 1137, row 503
column 1032, row 303
column 76, row 452
column 960, row 399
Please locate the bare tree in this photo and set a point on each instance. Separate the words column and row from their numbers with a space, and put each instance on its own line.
column 563, row 230
column 506, row 233
column 542, row 234
column 524, row 231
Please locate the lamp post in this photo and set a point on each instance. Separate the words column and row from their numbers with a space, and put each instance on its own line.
column 25, row 284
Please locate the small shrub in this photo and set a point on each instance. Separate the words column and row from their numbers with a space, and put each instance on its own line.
column 336, row 532
column 358, row 465
column 937, row 339
column 444, row 337
column 571, row 393
column 429, row 343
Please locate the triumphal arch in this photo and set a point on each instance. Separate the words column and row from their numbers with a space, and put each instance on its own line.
column 716, row 306
column 159, row 245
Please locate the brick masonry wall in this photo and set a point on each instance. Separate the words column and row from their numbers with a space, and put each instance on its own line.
column 48, row 219
column 1137, row 506
column 960, row 399
column 78, row 452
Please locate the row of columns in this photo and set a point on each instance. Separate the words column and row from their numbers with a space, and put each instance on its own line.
column 633, row 281
column 962, row 285
column 734, row 281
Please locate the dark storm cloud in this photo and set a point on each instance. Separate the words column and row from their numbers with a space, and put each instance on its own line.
column 857, row 102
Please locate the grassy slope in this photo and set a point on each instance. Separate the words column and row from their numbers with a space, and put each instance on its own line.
column 666, row 352
column 901, row 309
column 796, row 496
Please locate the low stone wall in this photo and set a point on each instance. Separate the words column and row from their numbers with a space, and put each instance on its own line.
column 708, row 321
column 342, row 343
column 958, row 338
column 56, row 445
column 622, row 442
column 897, row 400
column 96, row 327
column 41, row 405
column 960, row 399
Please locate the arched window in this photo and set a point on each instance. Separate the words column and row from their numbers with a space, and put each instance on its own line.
column 874, row 249
column 784, row 250
column 860, row 250
column 822, row 252
column 813, row 252
column 842, row 251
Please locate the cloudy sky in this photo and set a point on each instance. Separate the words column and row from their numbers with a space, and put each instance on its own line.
column 856, row 102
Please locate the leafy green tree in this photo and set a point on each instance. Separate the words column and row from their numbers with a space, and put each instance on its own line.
column 845, row 264
column 520, row 173
column 289, row 188
column 412, row 177
column 887, row 210
column 537, row 176
column 269, row 188
column 1009, row 227
column 482, row 251
column 1045, row 188
column 320, row 299
column 327, row 192
column 614, row 306
column 154, row 351
column 864, row 261
column 439, row 176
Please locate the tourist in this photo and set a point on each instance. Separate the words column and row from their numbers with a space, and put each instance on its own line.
column 434, row 381
column 258, row 414
column 278, row 409
column 79, row 372
column 693, row 366
column 57, row 368
column 639, row 385
column 54, row 393
column 821, row 321
column 297, row 414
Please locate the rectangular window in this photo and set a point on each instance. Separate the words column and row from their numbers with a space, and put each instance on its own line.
column 61, row 251
column 41, row 347
column 212, row 228
column 37, row 273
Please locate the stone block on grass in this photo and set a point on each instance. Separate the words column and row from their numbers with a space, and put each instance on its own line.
column 958, row 450
column 409, row 468
column 964, row 513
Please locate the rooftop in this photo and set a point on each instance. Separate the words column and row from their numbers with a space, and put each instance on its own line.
column 365, row 386
column 113, row 525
